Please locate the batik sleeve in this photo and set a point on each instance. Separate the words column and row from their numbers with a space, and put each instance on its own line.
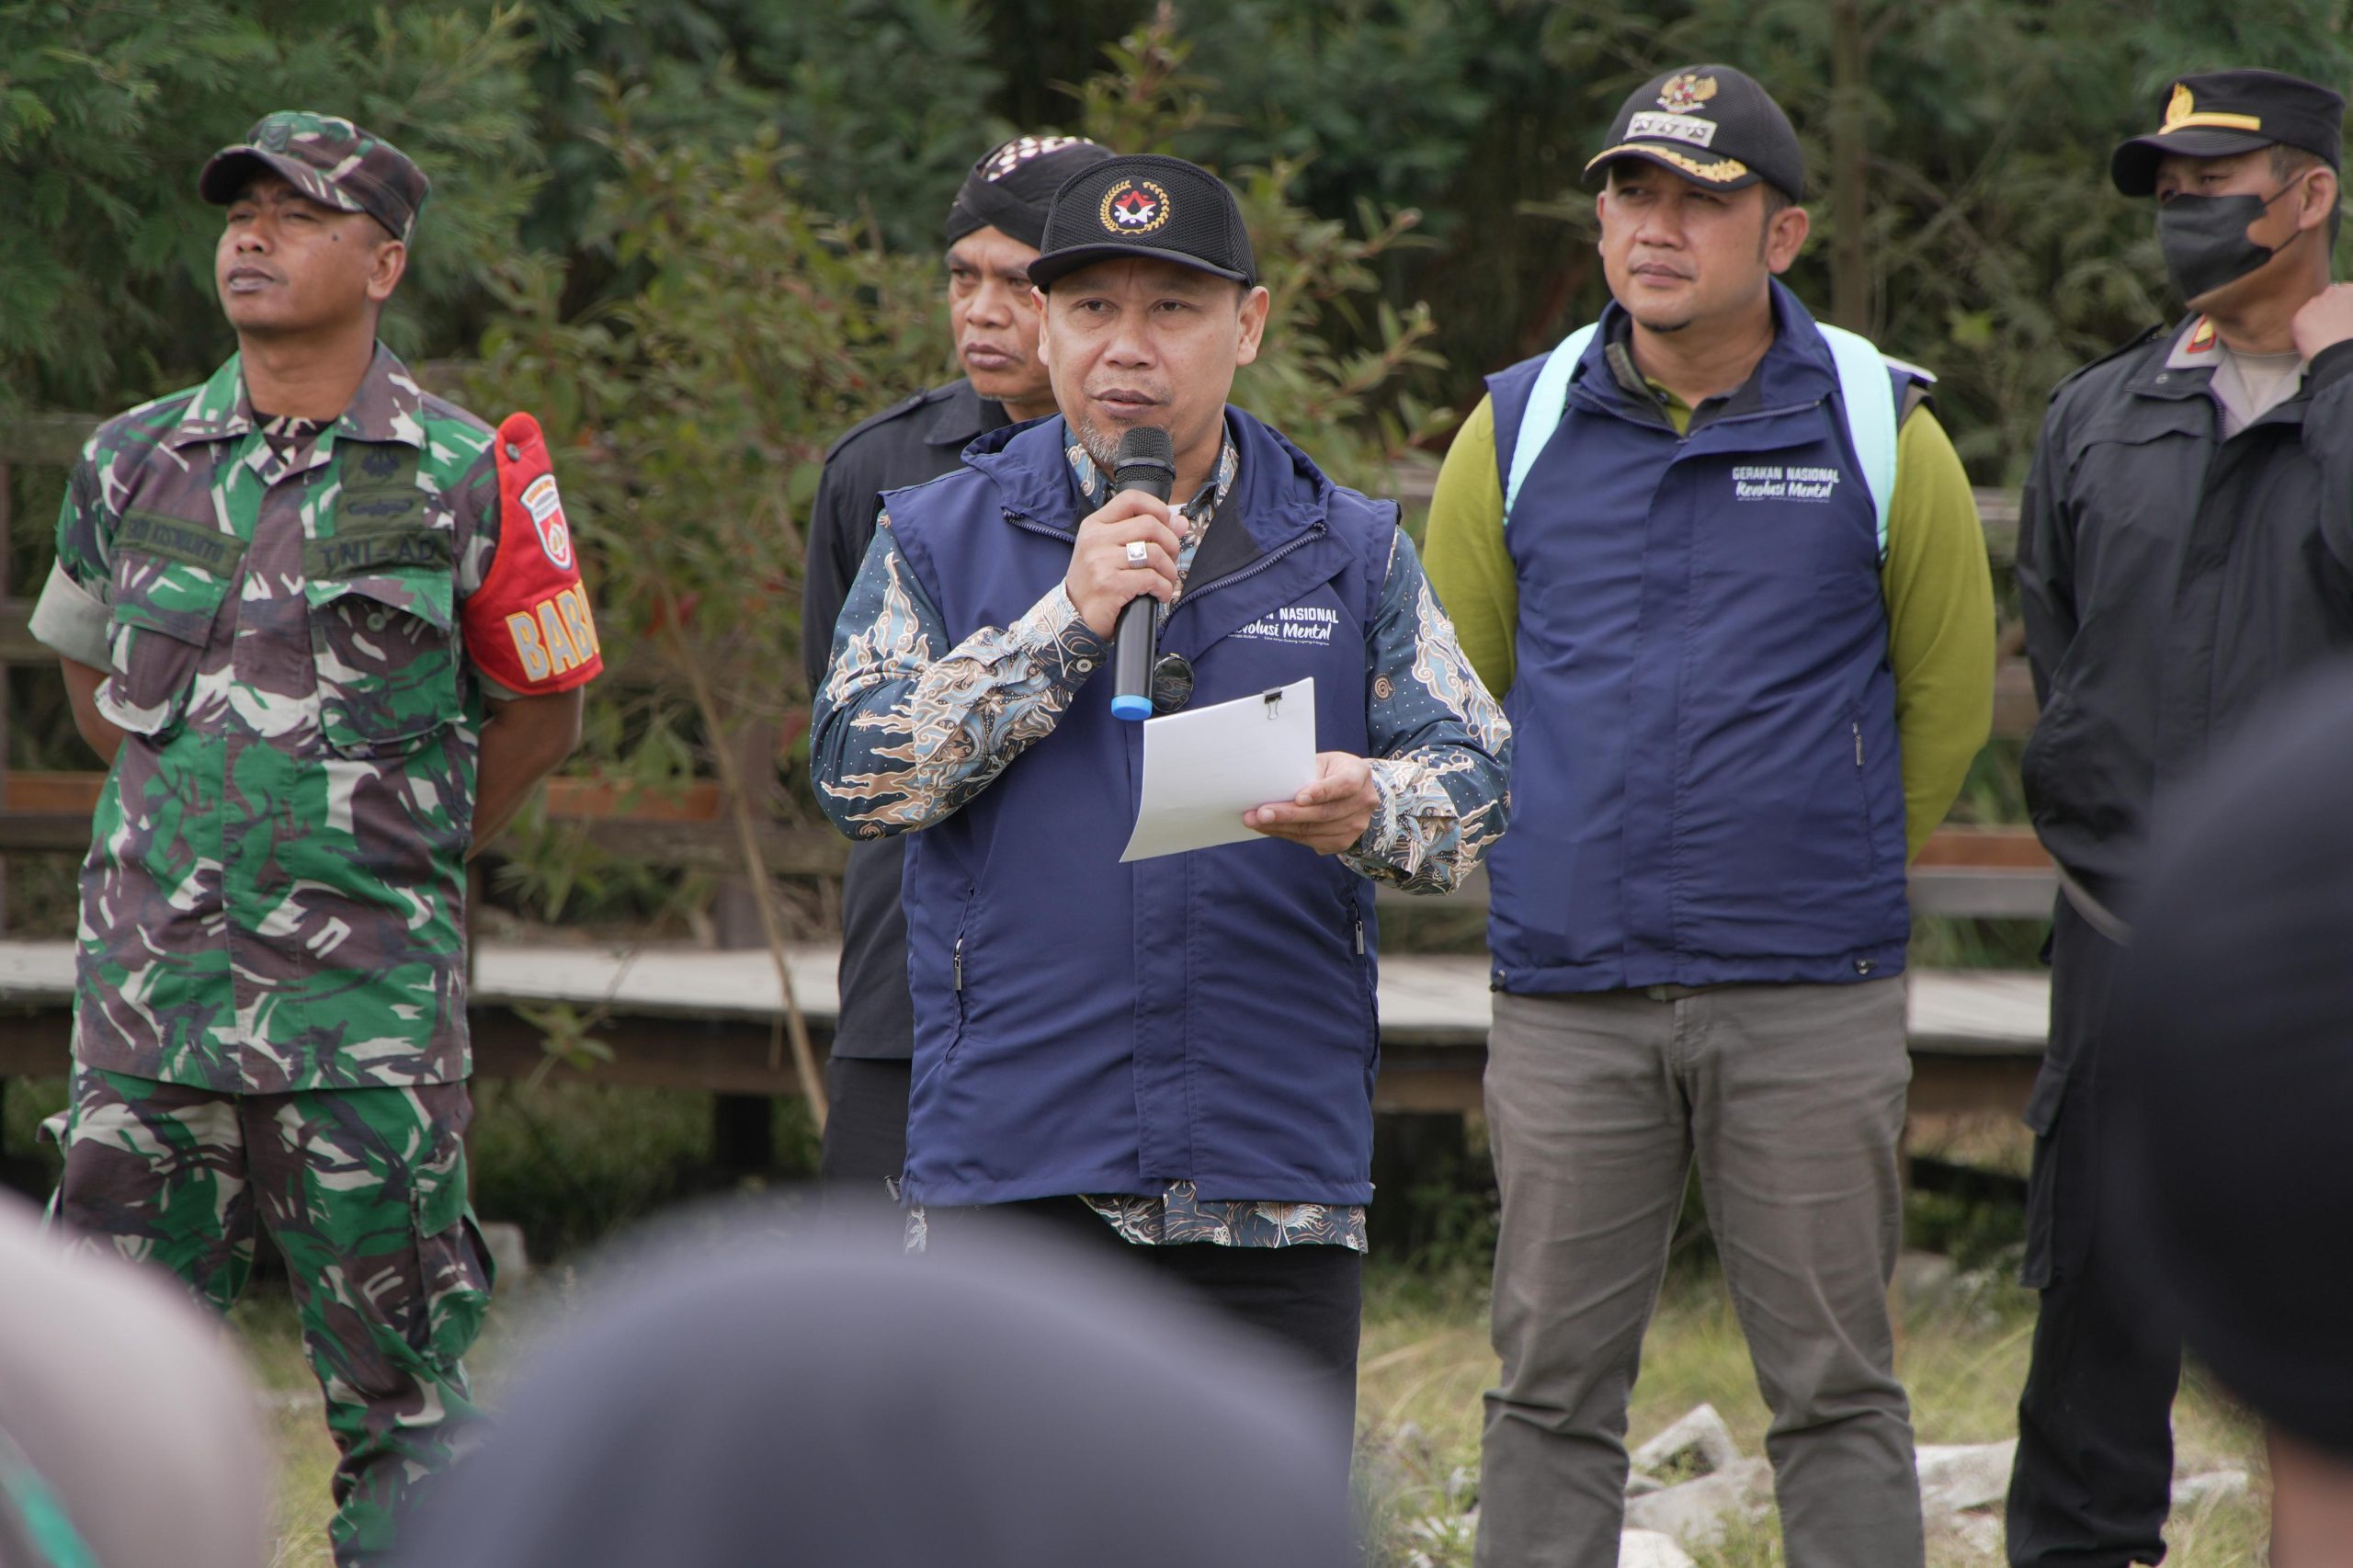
column 908, row 729
column 1442, row 747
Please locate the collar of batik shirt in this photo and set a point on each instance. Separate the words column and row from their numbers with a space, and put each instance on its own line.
column 1096, row 486
column 388, row 407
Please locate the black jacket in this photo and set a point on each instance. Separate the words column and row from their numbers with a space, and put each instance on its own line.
column 2170, row 579
column 907, row 443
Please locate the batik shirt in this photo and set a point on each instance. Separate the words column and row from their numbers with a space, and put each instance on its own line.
column 273, row 897
column 1002, row 689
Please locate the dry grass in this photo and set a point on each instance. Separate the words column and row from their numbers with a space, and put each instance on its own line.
column 1963, row 1358
column 1425, row 1363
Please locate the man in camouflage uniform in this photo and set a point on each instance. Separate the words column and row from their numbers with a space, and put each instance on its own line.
column 329, row 629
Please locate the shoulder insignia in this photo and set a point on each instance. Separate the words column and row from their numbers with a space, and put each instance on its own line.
column 2122, row 349
column 898, row 409
column 529, row 627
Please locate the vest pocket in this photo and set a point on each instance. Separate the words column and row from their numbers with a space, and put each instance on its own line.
column 386, row 659
column 1866, row 824
column 162, row 617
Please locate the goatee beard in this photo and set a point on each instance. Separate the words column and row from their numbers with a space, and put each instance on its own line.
column 1102, row 448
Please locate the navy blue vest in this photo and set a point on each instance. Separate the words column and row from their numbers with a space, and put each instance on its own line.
column 1705, row 780
column 1083, row 1026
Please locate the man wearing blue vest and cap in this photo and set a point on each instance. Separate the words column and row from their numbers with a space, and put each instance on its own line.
column 1175, row 1057
column 1729, row 576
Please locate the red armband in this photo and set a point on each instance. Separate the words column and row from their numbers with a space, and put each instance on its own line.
column 529, row 626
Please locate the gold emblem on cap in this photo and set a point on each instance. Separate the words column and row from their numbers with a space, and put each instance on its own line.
column 1683, row 93
column 1134, row 206
column 1720, row 171
column 2182, row 112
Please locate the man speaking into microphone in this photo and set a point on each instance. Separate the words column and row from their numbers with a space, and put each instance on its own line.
column 1176, row 1054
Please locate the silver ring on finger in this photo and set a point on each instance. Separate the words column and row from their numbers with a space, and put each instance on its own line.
column 1139, row 553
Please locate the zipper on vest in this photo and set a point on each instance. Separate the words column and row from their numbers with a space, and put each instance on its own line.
column 1360, row 936
column 958, row 961
column 1858, row 725
column 1024, row 521
column 1264, row 562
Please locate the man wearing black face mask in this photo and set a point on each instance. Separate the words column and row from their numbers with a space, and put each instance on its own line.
column 2186, row 546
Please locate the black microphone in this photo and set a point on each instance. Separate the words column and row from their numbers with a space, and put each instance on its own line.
column 1147, row 461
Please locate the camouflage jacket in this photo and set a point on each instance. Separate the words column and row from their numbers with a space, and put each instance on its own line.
column 273, row 898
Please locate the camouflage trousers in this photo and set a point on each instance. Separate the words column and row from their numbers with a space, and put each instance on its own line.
column 364, row 1191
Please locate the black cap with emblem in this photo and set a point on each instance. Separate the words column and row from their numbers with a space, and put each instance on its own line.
column 1710, row 124
column 2217, row 113
column 1145, row 205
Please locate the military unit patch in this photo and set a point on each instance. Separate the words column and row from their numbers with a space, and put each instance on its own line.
column 547, row 518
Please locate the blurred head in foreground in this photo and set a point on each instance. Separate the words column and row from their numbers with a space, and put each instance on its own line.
column 129, row 1433
column 831, row 1403
column 2236, row 1000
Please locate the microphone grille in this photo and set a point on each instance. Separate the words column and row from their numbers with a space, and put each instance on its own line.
column 1147, row 444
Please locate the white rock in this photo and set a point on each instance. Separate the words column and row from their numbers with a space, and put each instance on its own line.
column 1648, row 1549
column 2214, row 1486
column 1695, row 1513
column 1957, row 1476
column 1703, row 1434
column 507, row 1253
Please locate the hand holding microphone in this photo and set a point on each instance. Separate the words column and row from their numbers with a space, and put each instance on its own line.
column 1126, row 561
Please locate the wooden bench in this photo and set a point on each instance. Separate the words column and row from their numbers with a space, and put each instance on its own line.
column 697, row 1018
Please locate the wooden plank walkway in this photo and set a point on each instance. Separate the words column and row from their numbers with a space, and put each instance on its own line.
column 697, row 1018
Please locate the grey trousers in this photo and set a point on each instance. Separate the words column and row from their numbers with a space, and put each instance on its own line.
column 1790, row 1098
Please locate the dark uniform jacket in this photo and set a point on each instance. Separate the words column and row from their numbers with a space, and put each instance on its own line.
column 2169, row 580
column 905, row 444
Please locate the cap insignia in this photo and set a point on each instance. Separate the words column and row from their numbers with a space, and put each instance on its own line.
column 2182, row 112
column 1134, row 206
column 1681, row 95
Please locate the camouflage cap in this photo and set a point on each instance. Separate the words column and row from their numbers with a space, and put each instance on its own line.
column 326, row 158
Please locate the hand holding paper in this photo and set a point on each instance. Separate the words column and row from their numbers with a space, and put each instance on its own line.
column 1329, row 814
column 1205, row 767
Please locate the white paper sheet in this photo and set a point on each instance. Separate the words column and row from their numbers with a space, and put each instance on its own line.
column 1204, row 768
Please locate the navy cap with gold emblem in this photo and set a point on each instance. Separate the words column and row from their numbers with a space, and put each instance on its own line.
column 2217, row 113
column 1142, row 204
column 1710, row 124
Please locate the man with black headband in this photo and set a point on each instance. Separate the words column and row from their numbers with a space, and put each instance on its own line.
column 2186, row 546
column 994, row 228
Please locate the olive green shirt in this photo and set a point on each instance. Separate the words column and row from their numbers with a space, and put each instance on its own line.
column 1939, row 590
